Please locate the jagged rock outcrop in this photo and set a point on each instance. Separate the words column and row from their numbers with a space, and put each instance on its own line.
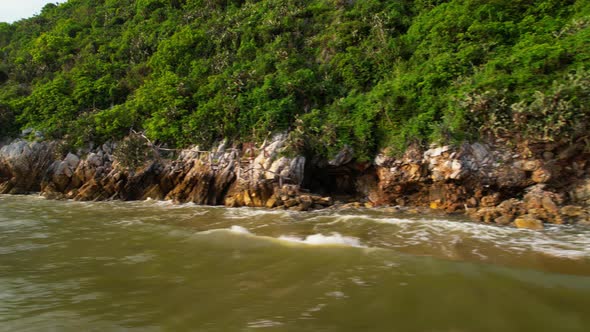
column 494, row 184
column 263, row 177
column 524, row 186
column 23, row 165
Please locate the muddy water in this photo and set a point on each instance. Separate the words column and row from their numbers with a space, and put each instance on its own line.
column 154, row 266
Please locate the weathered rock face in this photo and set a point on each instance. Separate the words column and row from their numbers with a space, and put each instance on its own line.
column 518, row 186
column 22, row 166
column 493, row 184
column 220, row 176
column 262, row 180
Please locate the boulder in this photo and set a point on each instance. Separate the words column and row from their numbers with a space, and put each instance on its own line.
column 572, row 211
column 271, row 202
column 503, row 220
column 528, row 222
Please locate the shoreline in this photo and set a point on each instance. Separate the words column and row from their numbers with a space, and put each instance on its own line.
column 489, row 184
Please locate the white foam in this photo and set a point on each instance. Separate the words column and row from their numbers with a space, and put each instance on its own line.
column 240, row 230
column 264, row 323
column 554, row 241
column 320, row 239
column 139, row 258
column 249, row 213
column 337, row 295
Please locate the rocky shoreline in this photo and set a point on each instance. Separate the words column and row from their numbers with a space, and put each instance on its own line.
column 524, row 186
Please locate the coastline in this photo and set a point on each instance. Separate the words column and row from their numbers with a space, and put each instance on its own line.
column 524, row 186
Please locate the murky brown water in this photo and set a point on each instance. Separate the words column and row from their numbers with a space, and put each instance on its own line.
column 153, row 266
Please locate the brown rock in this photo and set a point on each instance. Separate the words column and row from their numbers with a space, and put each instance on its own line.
column 306, row 202
column 256, row 198
column 533, row 202
column 471, row 202
column 290, row 203
column 231, row 202
column 325, row 201
column 572, row 211
column 549, row 205
column 485, row 214
column 247, row 198
column 530, row 165
column 581, row 193
column 490, row 200
column 506, row 205
column 558, row 220
column 528, row 222
column 541, row 175
column 539, row 213
column 299, row 208
column 503, row 220
column 271, row 202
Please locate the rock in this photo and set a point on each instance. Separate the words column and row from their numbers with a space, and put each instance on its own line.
column 256, row 198
column 352, row 205
column 271, row 202
column 530, row 165
column 528, row 222
column 541, row 175
column 306, row 203
column 548, row 155
column 507, row 205
column 25, row 164
column 94, row 160
column 27, row 131
column 381, row 160
column 72, row 161
column 276, row 168
column 231, row 202
column 247, row 198
column 479, row 152
column 485, row 214
column 503, row 220
column 490, row 200
column 471, row 202
column 549, row 205
column 572, row 211
column 324, row 201
column 296, row 170
column 436, row 152
column 533, row 202
column 581, row 192
column 291, row 202
column 343, row 157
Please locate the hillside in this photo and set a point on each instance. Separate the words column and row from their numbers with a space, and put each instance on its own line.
column 369, row 74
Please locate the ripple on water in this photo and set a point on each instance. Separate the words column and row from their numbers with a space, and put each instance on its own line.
column 264, row 323
column 139, row 258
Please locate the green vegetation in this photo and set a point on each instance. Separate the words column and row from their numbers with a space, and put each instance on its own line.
column 368, row 73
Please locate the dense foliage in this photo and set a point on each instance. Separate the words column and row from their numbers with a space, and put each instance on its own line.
column 367, row 73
